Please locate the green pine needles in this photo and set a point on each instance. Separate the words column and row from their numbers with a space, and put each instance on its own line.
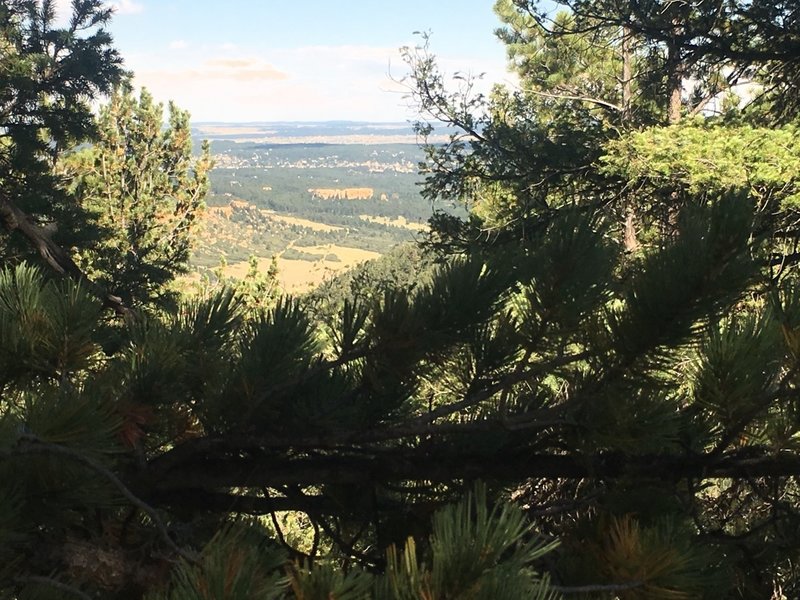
column 587, row 388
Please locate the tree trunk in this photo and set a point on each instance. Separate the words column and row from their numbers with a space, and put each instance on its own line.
column 630, row 241
column 675, row 88
column 675, row 74
column 627, row 76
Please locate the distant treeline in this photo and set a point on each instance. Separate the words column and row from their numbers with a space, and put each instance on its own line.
column 279, row 177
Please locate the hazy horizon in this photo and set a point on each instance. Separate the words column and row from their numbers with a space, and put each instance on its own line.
column 250, row 61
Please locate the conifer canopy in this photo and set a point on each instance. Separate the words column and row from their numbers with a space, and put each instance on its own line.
column 591, row 391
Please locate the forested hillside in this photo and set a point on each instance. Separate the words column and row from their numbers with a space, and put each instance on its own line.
column 318, row 208
column 584, row 385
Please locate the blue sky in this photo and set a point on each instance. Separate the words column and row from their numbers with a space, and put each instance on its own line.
column 272, row 60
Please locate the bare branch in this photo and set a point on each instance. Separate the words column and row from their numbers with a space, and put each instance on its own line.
column 55, row 256
column 587, row 99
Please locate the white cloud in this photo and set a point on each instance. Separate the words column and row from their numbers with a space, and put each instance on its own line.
column 216, row 93
column 307, row 83
column 63, row 11
column 121, row 7
column 233, row 69
column 178, row 45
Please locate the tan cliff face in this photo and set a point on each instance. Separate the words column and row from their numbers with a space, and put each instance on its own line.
column 342, row 194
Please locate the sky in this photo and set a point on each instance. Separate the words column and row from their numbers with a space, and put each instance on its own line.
column 298, row 60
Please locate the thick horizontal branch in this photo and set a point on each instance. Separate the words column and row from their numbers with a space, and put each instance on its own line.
column 361, row 441
column 421, row 425
column 440, row 463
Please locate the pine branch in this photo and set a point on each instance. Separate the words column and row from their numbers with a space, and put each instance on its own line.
column 196, row 450
column 759, row 405
column 587, row 99
column 35, row 445
column 54, row 255
column 484, row 394
column 347, row 547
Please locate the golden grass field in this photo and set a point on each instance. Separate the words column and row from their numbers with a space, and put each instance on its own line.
column 295, row 276
column 298, row 276
column 313, row 225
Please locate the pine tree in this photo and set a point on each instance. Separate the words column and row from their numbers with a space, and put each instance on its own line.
column 594, row 86
column 637, row 408
column 48, row 78
column 258, row 291
column 145, row 190
column 680, row 55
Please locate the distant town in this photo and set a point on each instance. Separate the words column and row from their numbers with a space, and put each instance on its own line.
column 231, row 159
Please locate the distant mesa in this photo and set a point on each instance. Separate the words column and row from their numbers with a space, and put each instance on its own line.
column 221, row 211
column 233, row 206
column 342, row 194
